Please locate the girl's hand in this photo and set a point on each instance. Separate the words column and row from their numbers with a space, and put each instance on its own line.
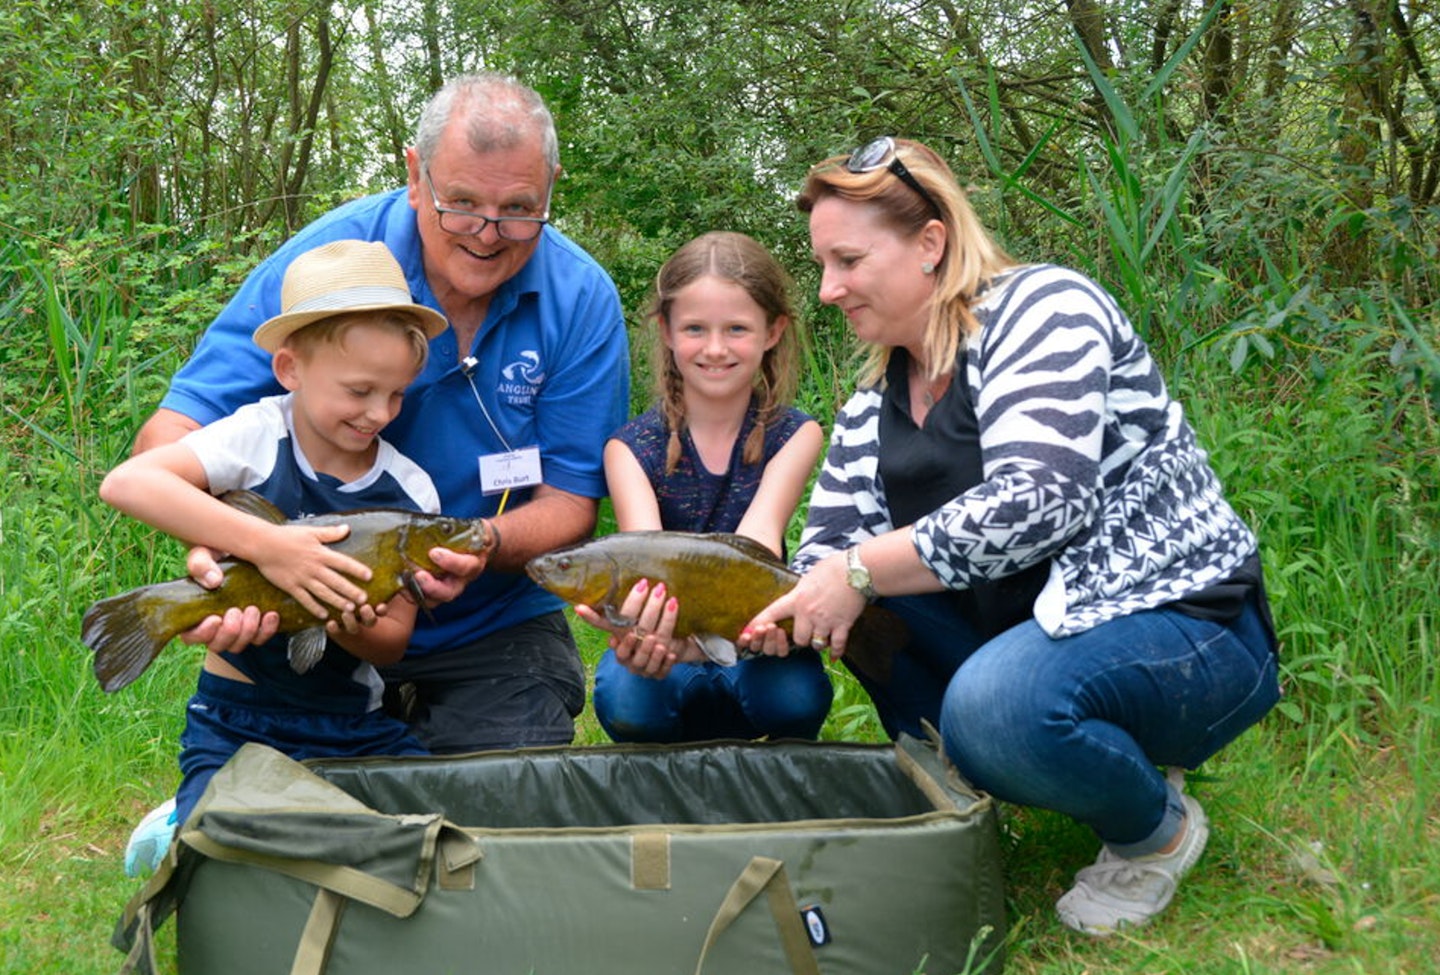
column 648, row 646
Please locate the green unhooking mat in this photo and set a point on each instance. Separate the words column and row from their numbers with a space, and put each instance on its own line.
column 722, row 858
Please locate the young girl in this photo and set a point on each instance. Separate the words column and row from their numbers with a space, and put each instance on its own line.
column 721, row 451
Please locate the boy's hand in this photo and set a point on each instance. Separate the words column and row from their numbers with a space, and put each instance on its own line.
column 234, row 631
column 362, row 618
column 299, row 560
column 240, row 626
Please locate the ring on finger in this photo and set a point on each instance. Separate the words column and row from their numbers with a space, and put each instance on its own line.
column 818, row 642
column 639, row 632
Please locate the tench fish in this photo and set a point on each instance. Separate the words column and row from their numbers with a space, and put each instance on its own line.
column 127, row 632
column 721, row 581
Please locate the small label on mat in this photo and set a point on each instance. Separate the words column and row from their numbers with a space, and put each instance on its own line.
column 816, row 927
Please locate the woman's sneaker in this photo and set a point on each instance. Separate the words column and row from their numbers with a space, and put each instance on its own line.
column 1115, row 891
column 150, row 840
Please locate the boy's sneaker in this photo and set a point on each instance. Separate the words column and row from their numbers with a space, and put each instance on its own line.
column 1115, row 891
column 150, row 840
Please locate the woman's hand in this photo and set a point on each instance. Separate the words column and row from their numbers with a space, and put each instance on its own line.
column 823, row 608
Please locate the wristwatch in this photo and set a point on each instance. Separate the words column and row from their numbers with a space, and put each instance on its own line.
column 857, row 575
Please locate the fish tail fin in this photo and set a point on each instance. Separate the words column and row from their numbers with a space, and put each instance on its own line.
column 874, row 639
column 125, row 635
column 305, row 649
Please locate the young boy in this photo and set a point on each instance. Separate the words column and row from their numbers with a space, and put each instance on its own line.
column 350, row 339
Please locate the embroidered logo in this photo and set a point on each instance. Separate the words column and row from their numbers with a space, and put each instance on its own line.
column 521, row 379
column 816, row 927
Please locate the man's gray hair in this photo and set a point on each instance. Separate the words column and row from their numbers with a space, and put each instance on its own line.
column 500, row 113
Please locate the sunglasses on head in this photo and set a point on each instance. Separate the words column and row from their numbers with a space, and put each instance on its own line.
column 882, row 153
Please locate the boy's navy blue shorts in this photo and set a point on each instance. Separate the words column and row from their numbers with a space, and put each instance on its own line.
column 225, row 714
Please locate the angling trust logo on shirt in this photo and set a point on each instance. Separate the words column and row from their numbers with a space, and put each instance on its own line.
column 521, row 379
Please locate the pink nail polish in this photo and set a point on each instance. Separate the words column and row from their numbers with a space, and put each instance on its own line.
column 642, row 586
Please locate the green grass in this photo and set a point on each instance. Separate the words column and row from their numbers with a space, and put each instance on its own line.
column 1324, row 858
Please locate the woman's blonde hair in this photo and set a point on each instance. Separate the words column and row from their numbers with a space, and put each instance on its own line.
column 971, row 255
column 740, row 260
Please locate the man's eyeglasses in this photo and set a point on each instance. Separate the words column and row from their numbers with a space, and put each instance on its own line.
column 882, row 153
column 468, row 223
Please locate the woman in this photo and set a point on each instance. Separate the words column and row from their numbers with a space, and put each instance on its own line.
column 1012, row 478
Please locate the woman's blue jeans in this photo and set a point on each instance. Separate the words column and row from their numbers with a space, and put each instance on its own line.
column 765, row 696
column 1081, row 724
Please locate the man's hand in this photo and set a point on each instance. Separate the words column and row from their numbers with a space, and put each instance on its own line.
column 457, row 570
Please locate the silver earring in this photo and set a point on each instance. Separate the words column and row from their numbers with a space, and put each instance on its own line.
column 927, row 268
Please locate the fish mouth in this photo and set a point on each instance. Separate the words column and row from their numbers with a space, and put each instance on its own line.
column 470, row 539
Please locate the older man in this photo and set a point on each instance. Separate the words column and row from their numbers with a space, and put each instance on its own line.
column 509, row 417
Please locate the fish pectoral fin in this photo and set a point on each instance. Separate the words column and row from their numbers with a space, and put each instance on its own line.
column 874, row 638
column 253, row 504
column 717, row 648
column 306, row 647
column 616, row 618
column 412, row 586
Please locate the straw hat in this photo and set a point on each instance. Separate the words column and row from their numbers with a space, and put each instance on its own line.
column 340, row 277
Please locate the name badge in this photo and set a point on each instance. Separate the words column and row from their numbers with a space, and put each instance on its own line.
column 510, row 470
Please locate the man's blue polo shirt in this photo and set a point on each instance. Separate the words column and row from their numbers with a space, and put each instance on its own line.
column 552, row 368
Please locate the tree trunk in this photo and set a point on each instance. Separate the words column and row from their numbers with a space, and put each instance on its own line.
column 395, row 135
column 1347, row 249
column 1422, row 154
column 1219, row 66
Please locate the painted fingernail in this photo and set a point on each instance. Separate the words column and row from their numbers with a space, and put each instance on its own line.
column 672, row 605
column 643, row 585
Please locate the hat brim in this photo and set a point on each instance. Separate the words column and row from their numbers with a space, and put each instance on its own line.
column 271, row 334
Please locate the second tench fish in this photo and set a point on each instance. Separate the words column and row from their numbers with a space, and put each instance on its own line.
column 721, row 581
column 127, row 632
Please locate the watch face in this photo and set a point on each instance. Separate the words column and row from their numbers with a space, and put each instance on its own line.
column 856, row 574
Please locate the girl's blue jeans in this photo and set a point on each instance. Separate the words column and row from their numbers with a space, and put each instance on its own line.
column 1082, row 724
column 779, row 697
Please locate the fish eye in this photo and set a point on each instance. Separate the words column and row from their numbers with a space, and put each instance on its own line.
column 564, row 562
